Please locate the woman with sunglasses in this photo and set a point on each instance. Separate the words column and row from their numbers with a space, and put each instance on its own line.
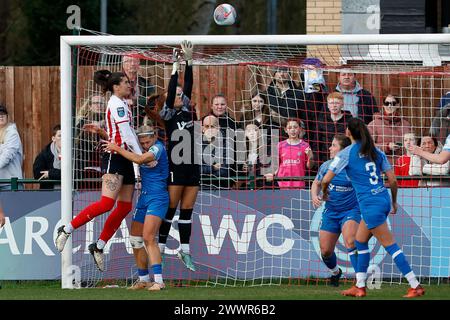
column 388, row 128
column 184, row 173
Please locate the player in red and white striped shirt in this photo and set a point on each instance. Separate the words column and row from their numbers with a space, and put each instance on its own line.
column 118, row 173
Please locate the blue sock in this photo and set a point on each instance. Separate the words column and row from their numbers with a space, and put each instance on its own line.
column 399, row 258
column 330, row 261
column 157, row 269
column 143, row 275
column 157, row 273
column 353, row 254
column 363, row 256
column 142, row 272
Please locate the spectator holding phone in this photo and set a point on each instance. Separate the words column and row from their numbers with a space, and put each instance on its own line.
column 402, row 164
column 388, row 128
column 421, row 166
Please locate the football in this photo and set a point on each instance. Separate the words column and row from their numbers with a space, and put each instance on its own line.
column 225, row 15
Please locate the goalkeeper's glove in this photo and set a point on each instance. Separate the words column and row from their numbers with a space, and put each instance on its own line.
column 188, row 49
column 176, row 55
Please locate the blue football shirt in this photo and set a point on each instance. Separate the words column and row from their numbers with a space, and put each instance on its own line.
column 154, row 174
column 342, row 196
column 365, row 174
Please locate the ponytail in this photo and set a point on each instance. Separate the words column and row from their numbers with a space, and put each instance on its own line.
column 107, row 79
column 359, row 132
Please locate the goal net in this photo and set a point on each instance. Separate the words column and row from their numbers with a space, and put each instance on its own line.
column 249, row 229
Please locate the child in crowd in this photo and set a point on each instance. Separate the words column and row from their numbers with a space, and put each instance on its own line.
column 294, row 156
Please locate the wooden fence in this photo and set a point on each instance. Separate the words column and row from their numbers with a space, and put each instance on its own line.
column 32, row 95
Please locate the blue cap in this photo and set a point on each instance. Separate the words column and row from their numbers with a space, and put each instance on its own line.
column 313, row 62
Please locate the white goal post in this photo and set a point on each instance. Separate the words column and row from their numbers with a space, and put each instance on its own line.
column 68, row 42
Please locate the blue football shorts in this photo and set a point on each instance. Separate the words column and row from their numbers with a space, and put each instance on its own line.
column 151, row 204
column 333, row 221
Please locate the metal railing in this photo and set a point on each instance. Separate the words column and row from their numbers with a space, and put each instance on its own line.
column 15, row 182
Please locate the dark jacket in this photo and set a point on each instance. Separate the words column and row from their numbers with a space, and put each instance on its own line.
column 44, row 162
column 367, row 105
column 287, row 105
column 145, row 89
column 225, row 121
column 327, row 129
column 211, row 177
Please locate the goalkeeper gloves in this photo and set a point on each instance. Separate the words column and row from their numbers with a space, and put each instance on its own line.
column 188, row 50
column 176, row 55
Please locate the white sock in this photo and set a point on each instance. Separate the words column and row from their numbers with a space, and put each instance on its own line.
column 68, row 228
column 361, row 279
column 335, row 270
column 185, row 248
column 100, row 244
column 145, row 278
column 411, row 277
column 158, row 278
column 162, row 247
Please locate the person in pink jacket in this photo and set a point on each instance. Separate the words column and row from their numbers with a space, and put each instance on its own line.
column 294, row 156
column 388, row 128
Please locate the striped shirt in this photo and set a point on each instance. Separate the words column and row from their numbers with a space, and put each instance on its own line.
column 119, row 125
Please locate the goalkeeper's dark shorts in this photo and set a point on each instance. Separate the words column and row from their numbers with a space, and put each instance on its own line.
column 116, row 164
column 184, row 175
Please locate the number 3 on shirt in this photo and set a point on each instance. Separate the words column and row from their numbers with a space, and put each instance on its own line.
column 372, row 168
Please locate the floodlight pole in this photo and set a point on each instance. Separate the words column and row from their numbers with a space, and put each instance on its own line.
column 104, row 16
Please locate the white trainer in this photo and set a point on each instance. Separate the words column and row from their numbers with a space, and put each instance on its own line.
column 61, row 239
column 98, row 255
column 157, row 286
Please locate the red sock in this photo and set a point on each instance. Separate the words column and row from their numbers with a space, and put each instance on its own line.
column 114, row 220
column 90, row 212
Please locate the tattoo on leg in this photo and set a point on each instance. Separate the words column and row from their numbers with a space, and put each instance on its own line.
column 112, row 183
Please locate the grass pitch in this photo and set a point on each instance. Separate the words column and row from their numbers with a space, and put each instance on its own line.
column 51, row 290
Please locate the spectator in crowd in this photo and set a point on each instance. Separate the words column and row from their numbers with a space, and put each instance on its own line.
column 219, row 107
column 47, row 164
column 303, row 101
column 258, row 113
column 227, row 125
column 315, row 91
column 387, row 128
column 285, row 100
column 440, row 125
column 215, row 169
column 402, row 165
column 360, row 102
column 331, row 123
column 294, row 156
column 11, row 151
column 141, row 88
column 252, row 167
column 420, row 166
column 87, row 143
column 445, row 100
column 441, row 158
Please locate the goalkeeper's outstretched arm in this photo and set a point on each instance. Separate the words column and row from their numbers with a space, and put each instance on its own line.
column 136, row 158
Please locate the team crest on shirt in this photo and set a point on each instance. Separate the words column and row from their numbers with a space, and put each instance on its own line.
column 121, row 111
column 299, row 153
